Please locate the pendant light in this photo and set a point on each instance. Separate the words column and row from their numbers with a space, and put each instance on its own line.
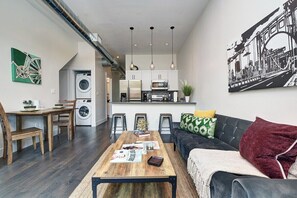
column 172, row 63
column 132, row 65
column 152, row 60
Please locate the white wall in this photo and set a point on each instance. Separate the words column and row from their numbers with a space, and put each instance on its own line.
column 27, row 29
column 100, row 92
column 25, row 25
column 87, row 59
column 115, row 86
column 204, row 63
column 143, row 62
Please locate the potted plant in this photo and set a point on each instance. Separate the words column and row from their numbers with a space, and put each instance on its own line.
column 187, row 90
column 142, row 125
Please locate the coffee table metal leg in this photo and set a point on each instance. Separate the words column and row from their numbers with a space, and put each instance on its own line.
column 172, row 180
column 95, row 183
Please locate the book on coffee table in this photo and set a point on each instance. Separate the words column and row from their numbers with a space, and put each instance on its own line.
column 126, row 156
column 141, row 133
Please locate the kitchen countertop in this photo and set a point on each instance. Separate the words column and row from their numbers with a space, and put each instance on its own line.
column 154, row 102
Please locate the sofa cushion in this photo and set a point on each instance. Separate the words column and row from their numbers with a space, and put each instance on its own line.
column 265, row 144
column 205, row 113
column 202, row 126
column 186, row 141
column 230, row 129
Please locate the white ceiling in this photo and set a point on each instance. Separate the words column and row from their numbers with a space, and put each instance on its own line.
column 112, row 20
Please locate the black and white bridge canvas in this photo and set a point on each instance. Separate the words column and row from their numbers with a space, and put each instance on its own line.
column 266, row 54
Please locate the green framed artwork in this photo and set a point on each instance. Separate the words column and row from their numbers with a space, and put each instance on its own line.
column 25, row 67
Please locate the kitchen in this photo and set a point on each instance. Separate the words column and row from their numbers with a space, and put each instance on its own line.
column 147, row 90
column 151, row 92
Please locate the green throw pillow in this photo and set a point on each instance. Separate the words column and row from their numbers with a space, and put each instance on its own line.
column 202, row 126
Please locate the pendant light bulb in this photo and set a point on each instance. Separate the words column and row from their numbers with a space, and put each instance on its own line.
column 152, row 67
column 172, row 63
column 132, row 65
column 151, row 44
column 172, row 66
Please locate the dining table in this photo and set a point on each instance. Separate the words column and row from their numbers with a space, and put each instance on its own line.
column 47, row 114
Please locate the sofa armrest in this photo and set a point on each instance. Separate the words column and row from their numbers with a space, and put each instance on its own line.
column 175, row 125
column 264, row 187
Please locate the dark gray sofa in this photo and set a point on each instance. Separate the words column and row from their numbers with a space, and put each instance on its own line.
column 228, row 133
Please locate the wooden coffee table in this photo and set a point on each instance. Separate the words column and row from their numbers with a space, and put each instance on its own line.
column 135, row 172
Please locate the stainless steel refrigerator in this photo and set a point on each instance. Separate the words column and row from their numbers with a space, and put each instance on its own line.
column 130, row 90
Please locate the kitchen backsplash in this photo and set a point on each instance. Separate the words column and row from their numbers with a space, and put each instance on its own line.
column 150, row 96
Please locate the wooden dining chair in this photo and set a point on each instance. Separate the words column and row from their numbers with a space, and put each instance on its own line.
column 10, row 136
column 63, row 119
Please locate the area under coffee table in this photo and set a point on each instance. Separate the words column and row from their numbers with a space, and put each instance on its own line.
column 140, row 172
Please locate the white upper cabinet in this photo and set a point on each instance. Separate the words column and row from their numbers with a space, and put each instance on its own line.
column 159, row 75
column 133, row 75
column 172, row 80
column 148, row 75
column 146, row 80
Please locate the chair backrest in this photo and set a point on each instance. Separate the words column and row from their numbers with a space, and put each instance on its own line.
column 4, row 124
column 67, row 103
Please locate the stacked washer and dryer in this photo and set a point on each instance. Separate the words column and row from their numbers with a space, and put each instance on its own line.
column 83, row 99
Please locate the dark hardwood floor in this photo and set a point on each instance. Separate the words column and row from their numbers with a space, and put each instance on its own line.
column 55, row 174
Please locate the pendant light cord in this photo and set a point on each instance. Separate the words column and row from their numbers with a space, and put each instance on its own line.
column 131, row 28
column 152, row 45
column 172, row 63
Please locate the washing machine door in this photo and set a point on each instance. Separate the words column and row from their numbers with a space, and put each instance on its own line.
column 84, row 83
column 84, row 112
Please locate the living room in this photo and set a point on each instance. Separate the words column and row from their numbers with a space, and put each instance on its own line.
column 202, row 61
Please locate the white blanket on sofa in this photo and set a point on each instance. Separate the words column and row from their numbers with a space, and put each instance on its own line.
column 203, row 163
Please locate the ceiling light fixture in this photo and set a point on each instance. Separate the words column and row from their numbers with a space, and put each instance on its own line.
column 172, row 63
column 152, row 62
column 132, row 65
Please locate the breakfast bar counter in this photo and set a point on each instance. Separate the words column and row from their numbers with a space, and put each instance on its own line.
column 153, row 110
column 153, row 103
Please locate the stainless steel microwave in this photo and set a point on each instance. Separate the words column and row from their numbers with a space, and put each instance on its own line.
column 159, row 85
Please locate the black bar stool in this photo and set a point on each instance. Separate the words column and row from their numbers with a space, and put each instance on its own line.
column 164, row 116
column 114, row 122
column 139, row 116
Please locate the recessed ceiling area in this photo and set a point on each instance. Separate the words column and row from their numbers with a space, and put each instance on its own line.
column 112, row 20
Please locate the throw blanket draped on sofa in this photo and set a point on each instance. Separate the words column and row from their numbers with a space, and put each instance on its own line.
column 201, row 167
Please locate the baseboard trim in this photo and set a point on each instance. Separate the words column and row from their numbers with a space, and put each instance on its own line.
column 98, row 122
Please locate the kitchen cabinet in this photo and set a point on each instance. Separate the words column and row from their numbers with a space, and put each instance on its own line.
column 146, row 80
column 172, row 80
column 133, row 75
column 148, row 75
column 159, row 75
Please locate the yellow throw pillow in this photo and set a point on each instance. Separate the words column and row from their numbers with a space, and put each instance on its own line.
column 205, row 113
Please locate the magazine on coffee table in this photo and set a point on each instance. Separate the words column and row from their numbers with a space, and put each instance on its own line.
column 154, row 143
column 132, row 146
column 126, row 156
